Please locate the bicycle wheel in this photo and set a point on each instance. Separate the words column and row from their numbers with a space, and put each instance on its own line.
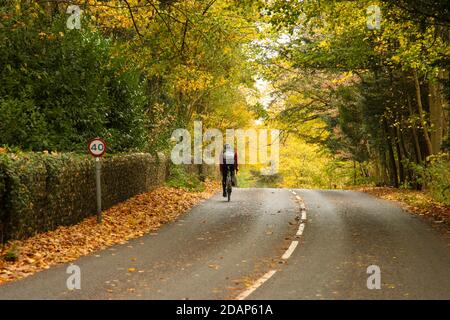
column 229, row 186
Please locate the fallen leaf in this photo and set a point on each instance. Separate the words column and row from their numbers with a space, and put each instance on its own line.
column 214, row 266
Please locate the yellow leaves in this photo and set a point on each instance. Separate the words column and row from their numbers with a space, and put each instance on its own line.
column 324, row 44
column 303, row 164
column 345, row 78
column 396, row 59
column 227, row 50
column 221, row 81
column 190, row 79
column 118, row 16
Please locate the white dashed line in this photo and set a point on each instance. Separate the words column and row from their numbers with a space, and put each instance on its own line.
column 303, row 215
column 301, row 228
column 256, row 285
column 290, row 250
column 285, row 256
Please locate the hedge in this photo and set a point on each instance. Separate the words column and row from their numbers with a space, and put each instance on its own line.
column 39, row 191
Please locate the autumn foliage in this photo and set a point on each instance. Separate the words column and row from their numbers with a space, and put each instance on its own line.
column 133, row 218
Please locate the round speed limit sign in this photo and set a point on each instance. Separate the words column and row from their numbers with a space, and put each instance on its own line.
column 97, row 147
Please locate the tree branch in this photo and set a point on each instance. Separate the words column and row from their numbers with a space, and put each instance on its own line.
column 132, row 18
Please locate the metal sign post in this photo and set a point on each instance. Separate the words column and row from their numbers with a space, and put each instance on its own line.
column 97, row 148
column 98, row 184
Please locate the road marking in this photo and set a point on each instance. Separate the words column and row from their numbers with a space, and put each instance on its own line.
column 301, row 228
column 290, row 250
column 285, row 256
column 303, row 215
column 256, row 285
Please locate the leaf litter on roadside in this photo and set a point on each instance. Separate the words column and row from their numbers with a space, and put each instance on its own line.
column 140, row 215
column 416, row 202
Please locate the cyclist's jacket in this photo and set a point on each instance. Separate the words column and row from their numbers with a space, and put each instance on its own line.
column 229, row 157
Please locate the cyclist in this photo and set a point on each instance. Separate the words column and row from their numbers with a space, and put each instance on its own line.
column 228, row 161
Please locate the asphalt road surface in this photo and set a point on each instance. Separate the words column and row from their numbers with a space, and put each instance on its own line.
column 262, row 245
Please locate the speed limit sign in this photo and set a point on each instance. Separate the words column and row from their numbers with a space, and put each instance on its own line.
column 97, row 147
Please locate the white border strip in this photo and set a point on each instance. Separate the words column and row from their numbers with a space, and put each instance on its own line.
column 256, row 285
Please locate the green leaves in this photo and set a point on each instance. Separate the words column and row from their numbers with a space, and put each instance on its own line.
column 58, row 89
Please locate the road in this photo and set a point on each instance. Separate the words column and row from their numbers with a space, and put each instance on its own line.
column 249, row 249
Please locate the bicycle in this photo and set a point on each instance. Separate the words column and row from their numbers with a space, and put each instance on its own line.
column 229, row 184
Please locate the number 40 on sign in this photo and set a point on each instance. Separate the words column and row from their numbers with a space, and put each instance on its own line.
column 97, row 147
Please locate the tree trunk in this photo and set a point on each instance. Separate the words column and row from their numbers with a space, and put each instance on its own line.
column 384, row 167
column 393, row 173
column 444, row 77
column 414, row 133
column 436, row 115
column 400, row 157
column 423, row 121
column 406, row 152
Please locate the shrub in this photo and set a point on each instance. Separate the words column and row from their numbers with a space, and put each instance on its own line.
column 435, row 176
column 25, row 193
column 78, row 88
column 186, row 178
column 22, row 124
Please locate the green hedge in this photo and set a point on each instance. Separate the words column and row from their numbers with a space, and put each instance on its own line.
column 437, row 177
column 39, row 192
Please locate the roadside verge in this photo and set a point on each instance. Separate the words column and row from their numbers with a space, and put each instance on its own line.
column 142, row 214
column 416, row 202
